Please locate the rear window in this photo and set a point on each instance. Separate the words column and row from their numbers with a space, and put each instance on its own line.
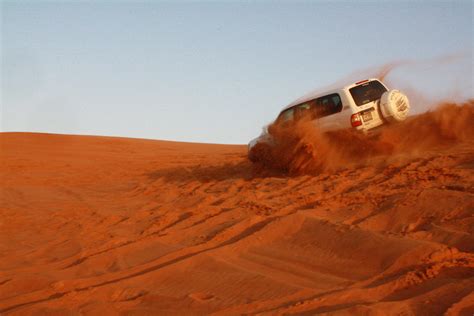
column 367, row 92
column 316, row 108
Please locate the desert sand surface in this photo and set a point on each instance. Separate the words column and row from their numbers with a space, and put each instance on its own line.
column 104, row 226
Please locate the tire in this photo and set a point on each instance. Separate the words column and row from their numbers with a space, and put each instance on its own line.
column 394, row 106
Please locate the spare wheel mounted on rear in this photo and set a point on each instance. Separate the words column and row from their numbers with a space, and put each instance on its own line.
column 394, row 106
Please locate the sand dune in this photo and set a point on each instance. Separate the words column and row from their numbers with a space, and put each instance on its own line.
column 100, row 225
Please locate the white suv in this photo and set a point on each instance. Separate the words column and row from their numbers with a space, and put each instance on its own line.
column 364, row 105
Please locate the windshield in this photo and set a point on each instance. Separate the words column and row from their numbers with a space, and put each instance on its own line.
column 367, row 92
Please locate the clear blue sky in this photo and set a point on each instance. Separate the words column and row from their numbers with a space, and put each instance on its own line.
column 209, row 71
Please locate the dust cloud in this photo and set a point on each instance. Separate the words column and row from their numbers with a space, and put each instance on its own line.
column 302, row 148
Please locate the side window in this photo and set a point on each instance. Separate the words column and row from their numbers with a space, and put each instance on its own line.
column 287, row 115
column 328, row 105
column 295, row 113
column 315, row 108
column 302, row 110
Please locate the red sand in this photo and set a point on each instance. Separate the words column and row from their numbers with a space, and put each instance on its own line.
column 99, row 225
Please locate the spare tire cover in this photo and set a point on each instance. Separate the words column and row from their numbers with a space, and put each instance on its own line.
column 394, row 106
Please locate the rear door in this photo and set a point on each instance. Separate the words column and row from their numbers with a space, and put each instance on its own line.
column 366, row 97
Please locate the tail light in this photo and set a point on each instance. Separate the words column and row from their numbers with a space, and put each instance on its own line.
column 356, row 120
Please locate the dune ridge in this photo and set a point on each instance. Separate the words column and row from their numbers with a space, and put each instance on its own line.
column 106, row 225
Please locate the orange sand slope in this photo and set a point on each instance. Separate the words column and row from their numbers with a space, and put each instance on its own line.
column 111, row 225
